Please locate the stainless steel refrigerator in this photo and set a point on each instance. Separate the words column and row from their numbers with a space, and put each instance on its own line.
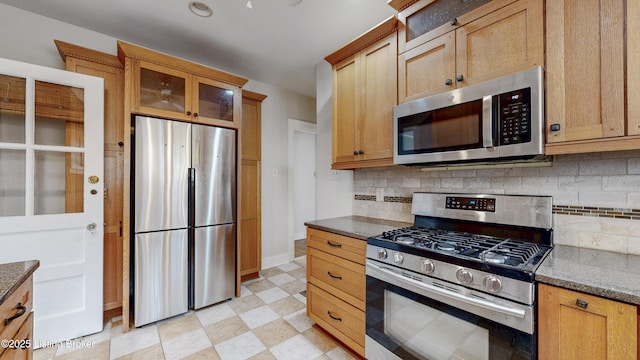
column 185, row 217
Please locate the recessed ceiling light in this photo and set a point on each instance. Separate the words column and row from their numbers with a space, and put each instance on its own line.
column 200, row 9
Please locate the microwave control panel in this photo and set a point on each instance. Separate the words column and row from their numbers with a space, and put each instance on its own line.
column 514, row 117
column 468, row 203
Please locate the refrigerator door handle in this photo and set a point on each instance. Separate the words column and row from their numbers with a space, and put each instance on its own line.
column 192, row 196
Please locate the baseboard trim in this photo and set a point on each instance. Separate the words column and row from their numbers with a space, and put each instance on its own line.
column 275, row 261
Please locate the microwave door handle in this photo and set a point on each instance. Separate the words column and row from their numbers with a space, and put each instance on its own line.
column 487, row 121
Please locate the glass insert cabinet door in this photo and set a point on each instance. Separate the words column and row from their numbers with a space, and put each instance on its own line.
column 42, row 147
column 175, row 94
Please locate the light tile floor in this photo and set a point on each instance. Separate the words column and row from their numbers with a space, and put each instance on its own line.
column 268, row 321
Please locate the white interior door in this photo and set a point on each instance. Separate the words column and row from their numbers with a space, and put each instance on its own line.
column 51, row 192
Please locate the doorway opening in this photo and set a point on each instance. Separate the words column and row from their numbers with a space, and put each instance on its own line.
column 302, row 180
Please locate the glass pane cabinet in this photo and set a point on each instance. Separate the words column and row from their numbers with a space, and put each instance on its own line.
column 174, row 94
column 162, row 91
column 215, row 100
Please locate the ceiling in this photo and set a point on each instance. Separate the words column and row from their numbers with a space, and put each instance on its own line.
column 272, row 43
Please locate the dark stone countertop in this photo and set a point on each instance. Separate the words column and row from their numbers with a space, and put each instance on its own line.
column 12, row 275
column 607, row 274
column 360, row 227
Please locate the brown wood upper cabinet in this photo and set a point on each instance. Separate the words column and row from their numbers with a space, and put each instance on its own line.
column 591, row 98
column 491, row 40
column 364, row 93
column 172, row 88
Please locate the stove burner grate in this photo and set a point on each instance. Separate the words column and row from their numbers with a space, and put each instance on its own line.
column 484, row 248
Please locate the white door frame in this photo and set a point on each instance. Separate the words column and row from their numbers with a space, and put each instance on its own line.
column 302, row 126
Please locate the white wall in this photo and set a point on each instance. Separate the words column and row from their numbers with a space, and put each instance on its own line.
column 334, row 187
column 277, row 108
column 31, row 40
column 596, row 196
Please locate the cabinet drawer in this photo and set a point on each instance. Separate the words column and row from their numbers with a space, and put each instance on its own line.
column 342, row 246
column 25, row 336
column 20, row 302
column 342, row 278
column 340, row 319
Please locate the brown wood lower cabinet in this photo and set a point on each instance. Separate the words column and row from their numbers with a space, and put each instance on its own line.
column 16, row 323
column 336, row 283
column 574, row 325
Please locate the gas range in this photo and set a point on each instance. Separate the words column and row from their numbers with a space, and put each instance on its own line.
column 487, row 243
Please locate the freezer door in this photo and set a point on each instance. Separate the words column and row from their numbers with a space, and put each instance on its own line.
column 215, row 264
column 162, row 160
column 214, row 160
column 161, row 287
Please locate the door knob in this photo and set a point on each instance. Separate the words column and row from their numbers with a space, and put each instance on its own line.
column 92, row 226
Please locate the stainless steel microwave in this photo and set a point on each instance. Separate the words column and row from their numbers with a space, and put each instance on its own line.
column 496, row 120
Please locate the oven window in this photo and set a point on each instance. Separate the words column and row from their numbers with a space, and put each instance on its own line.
column 413, row 326
column 431, row 334
column 456, row 127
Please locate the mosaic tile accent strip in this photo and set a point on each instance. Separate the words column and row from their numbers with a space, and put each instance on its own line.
column 394, row 199
column 604, row 212
column 398, row 199
column 365, row 197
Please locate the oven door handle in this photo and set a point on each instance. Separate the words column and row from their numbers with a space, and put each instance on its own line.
column 427, row 289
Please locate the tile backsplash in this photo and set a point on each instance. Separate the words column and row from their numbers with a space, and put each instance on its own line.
column 596, row 196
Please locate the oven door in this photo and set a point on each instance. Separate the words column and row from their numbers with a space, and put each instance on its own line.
column 408, row 318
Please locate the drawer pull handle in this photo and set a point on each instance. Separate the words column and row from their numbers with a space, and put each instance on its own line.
column 582, row 303
column 334, row 245
column 333, row 276
column 21, row 310
column 333, row 317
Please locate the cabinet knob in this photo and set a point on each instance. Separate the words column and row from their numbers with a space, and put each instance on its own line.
column 459, row 78
column 554, row 127
column 448, row 82
column 189, row 113
column 195, row 114
column 453, row 22
column 582, row 303
column 360, row 152
column 120, row 143
column 355, row 152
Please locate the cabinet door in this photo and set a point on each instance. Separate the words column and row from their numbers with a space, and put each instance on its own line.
column 113, row 173
column 573, row 325
column 633, row 62
column 424, row 70
column 160, row 91
column 378, row 94
column 214, row 102
column 504, row 41
column 250, row 243
column 251, row 129
column 345, row 108
column 585, row 69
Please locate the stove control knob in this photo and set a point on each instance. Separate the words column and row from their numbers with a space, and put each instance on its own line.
column 492, row 283
column 428, row 266
column 398, row 258
column 382, row 254
column 464, row 276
